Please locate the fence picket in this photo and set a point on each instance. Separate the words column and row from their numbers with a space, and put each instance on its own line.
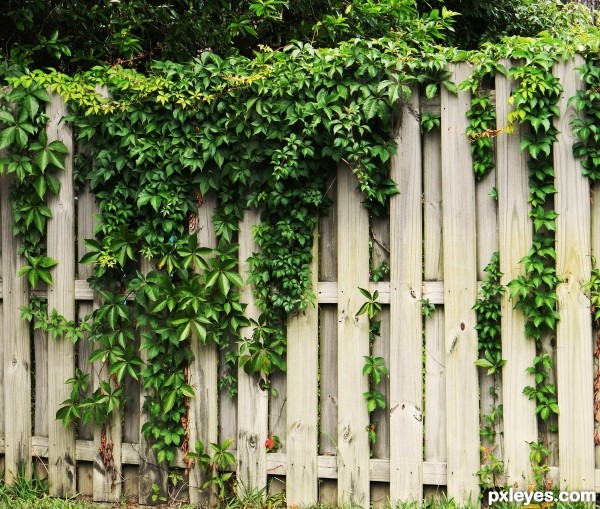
column 328, row 402
column 435, row 371
column 61, row 296
column 406, row 341
column 203, row 376
column 152, row 475
column 302, row 401
column 515, row 237
column 353, row 342
column 460, row 293
column 573, row 266
column 17, row 354
column 253, row 411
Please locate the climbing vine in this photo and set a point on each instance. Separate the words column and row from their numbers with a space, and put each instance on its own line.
column 490, row 358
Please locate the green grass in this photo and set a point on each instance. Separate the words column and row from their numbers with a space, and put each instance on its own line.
column 33, row 495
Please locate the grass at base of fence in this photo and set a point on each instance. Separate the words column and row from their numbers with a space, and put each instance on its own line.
column 33, row 495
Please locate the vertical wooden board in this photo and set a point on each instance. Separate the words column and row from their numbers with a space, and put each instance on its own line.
column 40, row 419
column 460, row 293
column 596, row 254
column 487, row 244
column 61, row 296
column 85, row 230
column 574, row 333
column 150, row 471
column 406, row 332
column 253, row 411
column 203, row 375
column 227, row 407
column 17, row 350
column 380, row 232
column 328, row 342
column 302, row 400
column 435, row 364
column 107, row 475
column 353, row 342
column 514, row 241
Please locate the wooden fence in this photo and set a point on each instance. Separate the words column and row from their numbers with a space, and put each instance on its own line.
column 441, row 232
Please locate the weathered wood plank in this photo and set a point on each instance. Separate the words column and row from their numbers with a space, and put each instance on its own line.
column 460, row 284
column 406, row 332
column 487, row 244
column 380, row 233
column 253, row 411
column 203, row 375
column 328, row 340
column 150, row 472
column 85, row 225
column 574, row 333
column 302, row 405
column 61, row 296
column 3, row 219
column 353, row 342
column 435, row 370
column 17, row 354
column 515, row 237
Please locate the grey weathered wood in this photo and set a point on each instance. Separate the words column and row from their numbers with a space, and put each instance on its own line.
column 460, row 284
column 573, row 266
column 253, row 399
column 61, row 296
column 203, row 376
column 487, row 244
column 150, row 472
column 353, row 342
column 302, row 401
column 85, row 225
column 40, row 420
column 435, row 369
column 328, row 340
column 406, row 333
column 380, row 233
column 515, row 237
column 17, row 354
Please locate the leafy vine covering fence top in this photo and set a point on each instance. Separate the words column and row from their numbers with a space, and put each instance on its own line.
column 261, row 132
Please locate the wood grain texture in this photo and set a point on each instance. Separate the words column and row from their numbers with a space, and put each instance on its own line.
column 406, row 333
column 435, row 364
column 574, row 333
column 61, row 296
column 515, row 238
column 203, row 376
column 328, row 340
column 85, row 225
column 353, row 342
column 302, row 401
column 17, row 349
column 487, row 244
column 253, row 399
column 380, row 253
column 460, row 285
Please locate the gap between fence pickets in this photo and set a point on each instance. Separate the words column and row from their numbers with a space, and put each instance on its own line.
column 434, row 473
column 327, row 291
